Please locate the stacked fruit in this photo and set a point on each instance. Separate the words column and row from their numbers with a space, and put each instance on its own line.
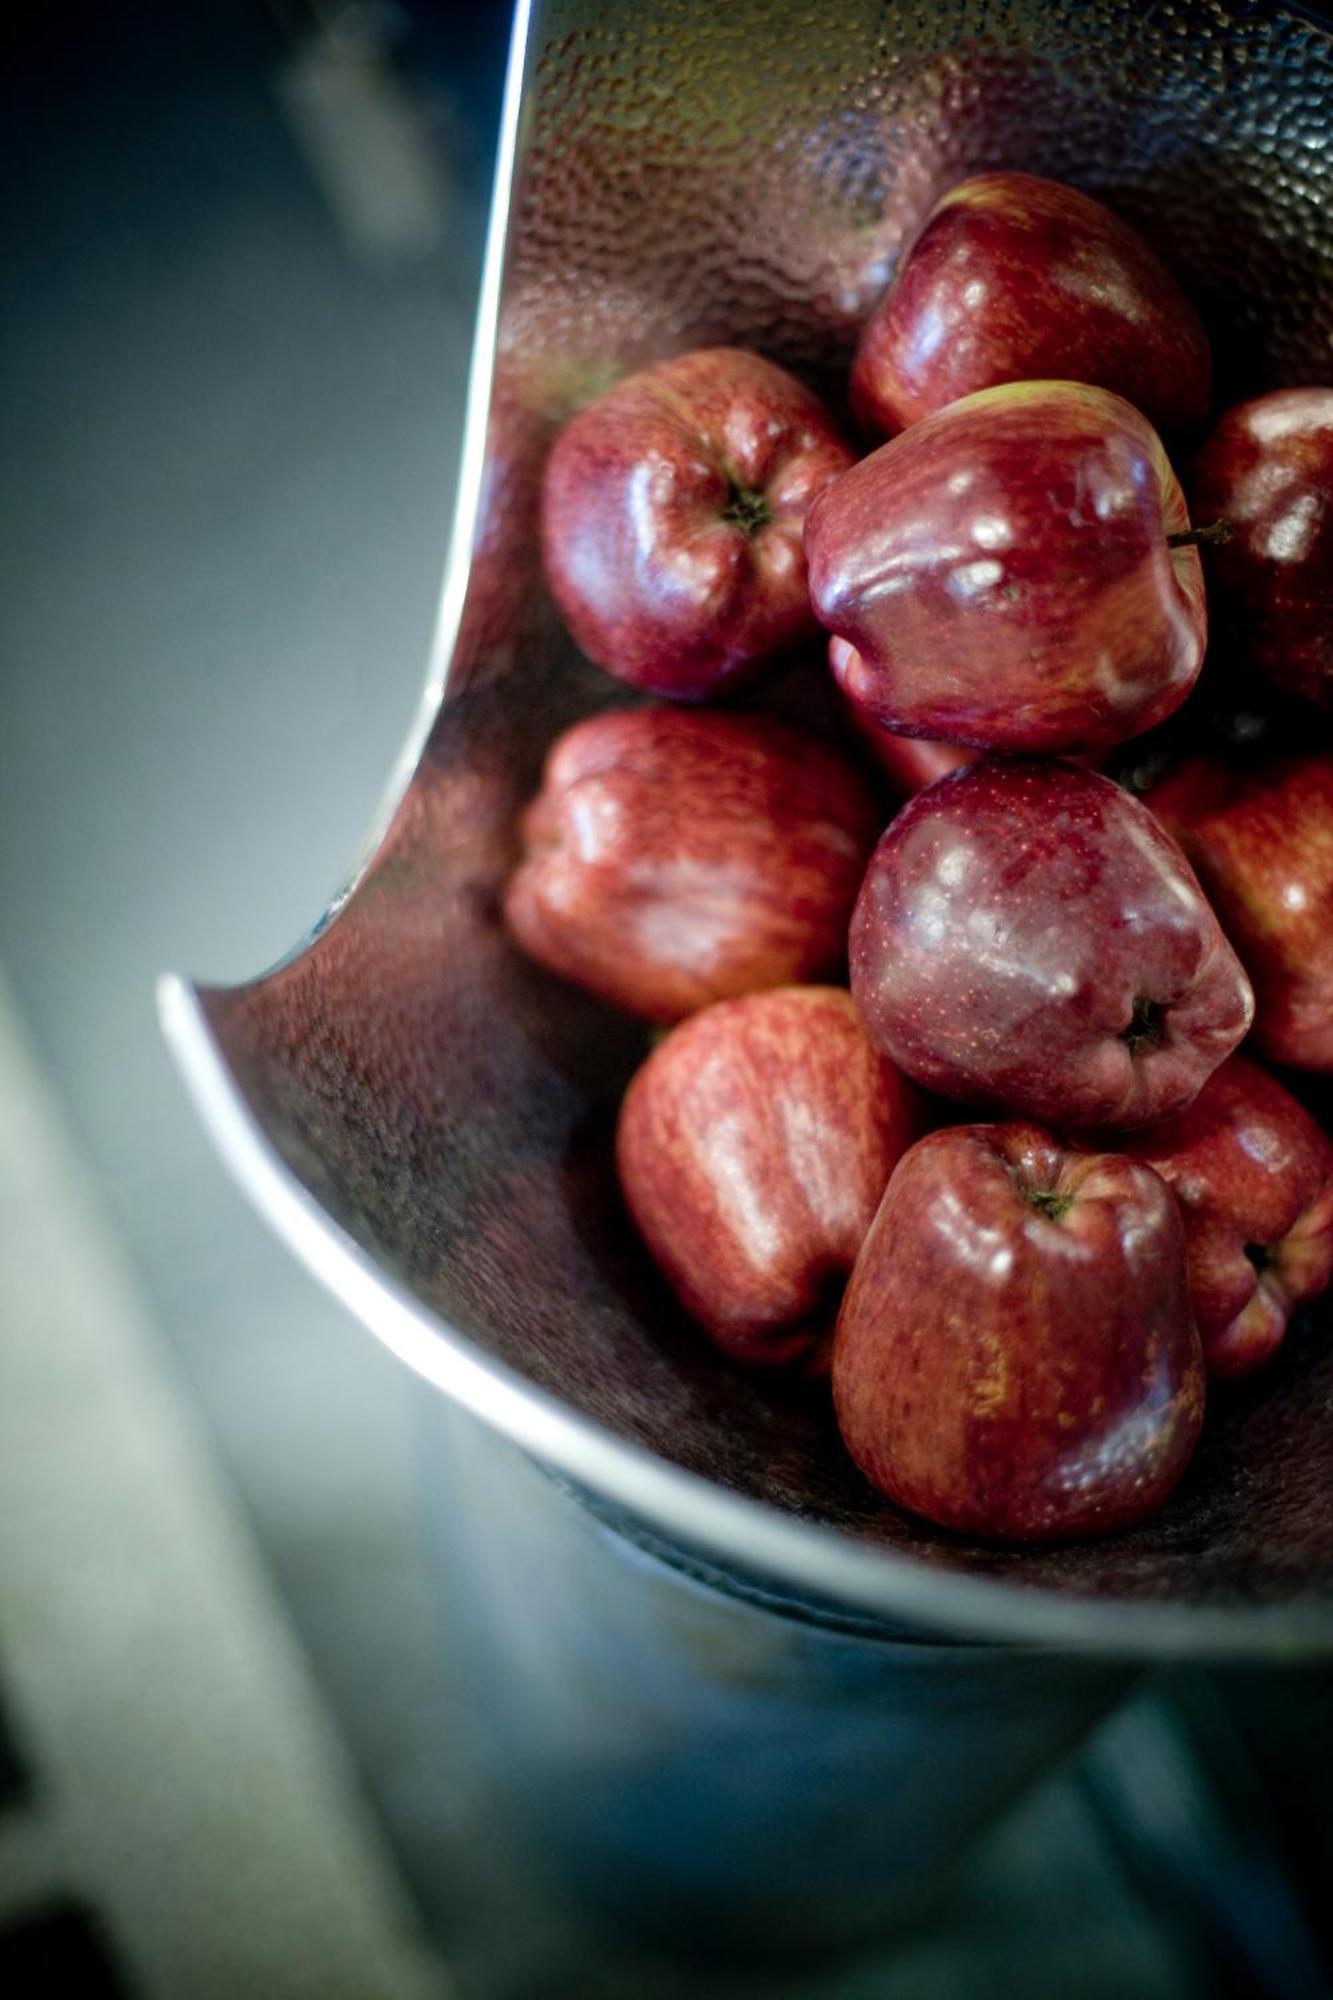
column 1020, row 1312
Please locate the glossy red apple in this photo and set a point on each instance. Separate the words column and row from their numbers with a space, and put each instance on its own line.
column 1262, row 843
column 1253, row 1175
column 1003, row 571
column 1267, row 469
column 754, row 1145
column 672, row 858
column 672, row 514
column 1017, row 279
column 1016, row 1356
column 1028, row 938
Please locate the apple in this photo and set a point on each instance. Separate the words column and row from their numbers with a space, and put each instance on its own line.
column 1015, row 1356
column 1005, row 572
column 672, row 514
column 1018, row 279
column 1253, row 1175
column 753, row 1147
column 1267, row 470
column 674, row 857
column 1029, row 939
column 1262, row 842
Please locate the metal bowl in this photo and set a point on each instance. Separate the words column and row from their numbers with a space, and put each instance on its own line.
column 425, row 1116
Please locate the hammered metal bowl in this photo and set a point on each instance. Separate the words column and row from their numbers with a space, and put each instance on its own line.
column 424, row 1115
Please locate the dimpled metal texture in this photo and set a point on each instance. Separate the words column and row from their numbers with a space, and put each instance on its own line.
column 695, row 173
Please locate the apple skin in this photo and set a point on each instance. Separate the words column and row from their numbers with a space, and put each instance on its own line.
column 672, row 513
column 1015, row 279
column 1027, row 938
column 672, row 858
column 1262, row 845
column 1253, row 1175
column 910, row 763
column 753, row 1147
column 1003, row 572
column 1267, row 469
column 1016, row 1356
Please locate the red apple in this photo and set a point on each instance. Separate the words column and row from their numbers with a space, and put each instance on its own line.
column 672, row 514
column 1028, row 938
column 1253, row 1175
column 1004, row 572
column 754, row 1145
column 673, row 858
column 1267, row 470
column 1015, row 1356
column 1016, row 279
column 1262, row 843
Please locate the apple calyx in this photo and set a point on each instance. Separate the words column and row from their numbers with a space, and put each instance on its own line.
column 746, row 509
column 1211, row 537
column 1048, row 1202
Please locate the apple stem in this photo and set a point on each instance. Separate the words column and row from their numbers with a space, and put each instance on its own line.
column 1210, row 537
column 1146, row 1025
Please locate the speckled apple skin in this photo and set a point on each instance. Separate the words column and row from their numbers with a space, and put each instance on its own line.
column 910, row 763
column 1010, row 1374
column 1010, row 918
column 1253, row 1173
column 654, row 581
column 1263, row 847
column 753, row 1147
column 1003, row 574
column 1014, row 278
column 672, row 858
column 1267, row 469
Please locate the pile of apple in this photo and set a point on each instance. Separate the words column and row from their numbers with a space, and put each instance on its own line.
column 1019, row 1313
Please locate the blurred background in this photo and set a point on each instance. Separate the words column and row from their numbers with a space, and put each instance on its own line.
column 237, row 1757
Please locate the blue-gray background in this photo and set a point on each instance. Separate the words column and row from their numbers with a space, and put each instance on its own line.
column 228, row 463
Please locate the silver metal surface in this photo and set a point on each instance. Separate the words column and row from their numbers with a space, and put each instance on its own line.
column 422, row 1116
column 710, row 1772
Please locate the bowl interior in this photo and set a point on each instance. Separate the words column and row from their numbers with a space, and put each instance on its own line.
column 692, row 174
